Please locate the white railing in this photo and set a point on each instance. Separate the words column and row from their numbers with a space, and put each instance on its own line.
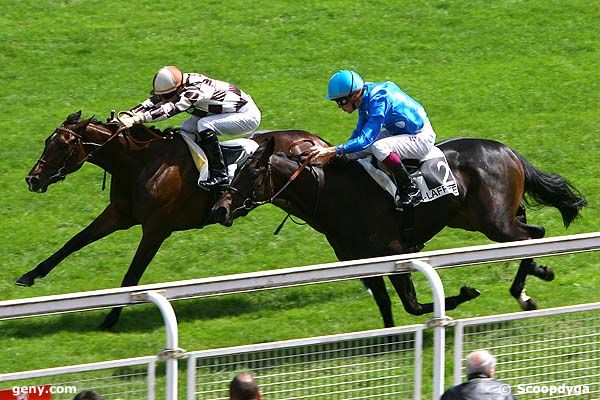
column 115, row 379
column 381, row 363
column 551, row 354
column 425, row 262
column 298, row 276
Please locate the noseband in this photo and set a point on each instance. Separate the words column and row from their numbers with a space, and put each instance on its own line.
column 62, row 170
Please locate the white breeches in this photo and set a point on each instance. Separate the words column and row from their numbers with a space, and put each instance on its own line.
column 405, row 146
column 243, row 122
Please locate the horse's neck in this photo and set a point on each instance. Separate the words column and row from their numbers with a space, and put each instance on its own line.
column 301, row 197
column 108, row 149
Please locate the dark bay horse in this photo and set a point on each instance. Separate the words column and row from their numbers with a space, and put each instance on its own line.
column 152, row 185
column 359, row 218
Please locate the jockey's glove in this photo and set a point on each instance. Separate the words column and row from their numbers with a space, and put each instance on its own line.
column 129, row 120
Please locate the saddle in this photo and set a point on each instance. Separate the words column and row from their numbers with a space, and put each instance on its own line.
column 235, row 152
column 433, row 175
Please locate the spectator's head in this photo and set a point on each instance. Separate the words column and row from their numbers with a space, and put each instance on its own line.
column 87, row 395
column 244, row 387
column 481, row 362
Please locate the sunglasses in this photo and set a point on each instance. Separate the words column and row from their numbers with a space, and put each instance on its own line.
column 342, row 101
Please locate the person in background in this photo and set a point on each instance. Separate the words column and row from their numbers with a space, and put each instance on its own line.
column 391, row 125
column 480, row 385
column 244, row 387
column 217, row 108
column 87, row 395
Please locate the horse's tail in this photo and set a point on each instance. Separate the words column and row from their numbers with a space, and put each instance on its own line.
column 550, row 189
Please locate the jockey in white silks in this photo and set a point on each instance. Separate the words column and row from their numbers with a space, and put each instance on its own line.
column 217, row 108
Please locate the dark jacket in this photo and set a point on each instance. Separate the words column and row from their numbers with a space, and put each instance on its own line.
column 479, row 387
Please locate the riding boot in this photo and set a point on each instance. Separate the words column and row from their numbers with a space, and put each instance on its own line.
column 216, row 164
column 408, row 193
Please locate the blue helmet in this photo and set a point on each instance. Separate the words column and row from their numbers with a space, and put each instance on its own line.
column 344, row 83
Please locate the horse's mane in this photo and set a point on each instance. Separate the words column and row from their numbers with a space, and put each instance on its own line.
column 167, row 130
column 336, row 163
column 341, row 162
column 141, row 130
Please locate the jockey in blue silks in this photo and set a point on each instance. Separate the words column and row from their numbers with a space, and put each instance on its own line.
column 391, row 125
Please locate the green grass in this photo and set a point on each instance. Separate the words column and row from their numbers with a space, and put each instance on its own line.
column 522, row 72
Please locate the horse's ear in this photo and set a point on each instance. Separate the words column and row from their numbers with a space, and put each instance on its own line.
column 271, row 146
column 266, row 149
column 73, row 118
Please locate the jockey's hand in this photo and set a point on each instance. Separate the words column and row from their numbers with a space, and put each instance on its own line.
column 127, row 120
column 121, row 114
column 320, row 154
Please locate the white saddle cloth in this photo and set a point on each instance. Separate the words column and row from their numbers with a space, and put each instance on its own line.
column 429, row 194
column 201, row 161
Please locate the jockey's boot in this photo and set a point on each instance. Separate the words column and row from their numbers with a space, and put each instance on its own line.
column 218, row 178
column 408, row 193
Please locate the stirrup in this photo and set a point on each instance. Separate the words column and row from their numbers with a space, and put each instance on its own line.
column 214, row 183
column 408, row 199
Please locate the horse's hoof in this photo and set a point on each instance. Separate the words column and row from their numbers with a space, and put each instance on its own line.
column 548, row 273
column 106, row 326
column 25, row 281
column 469, row 293
column 529, row 305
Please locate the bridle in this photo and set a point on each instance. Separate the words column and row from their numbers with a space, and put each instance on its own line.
column 250, row 202
column 61, row 171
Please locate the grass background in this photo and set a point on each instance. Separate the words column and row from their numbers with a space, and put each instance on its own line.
column 522, row 72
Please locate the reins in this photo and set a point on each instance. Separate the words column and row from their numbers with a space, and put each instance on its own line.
column 129, row 140
column 291, row 179
column 61, row 172
column 249, row 203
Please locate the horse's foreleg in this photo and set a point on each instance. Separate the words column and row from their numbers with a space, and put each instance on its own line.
column 377, row 287
column 405, row 288
column 109, row 221
column 149, row 245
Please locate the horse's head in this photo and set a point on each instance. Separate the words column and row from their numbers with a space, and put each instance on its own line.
column 250, row 187
column 63, row 154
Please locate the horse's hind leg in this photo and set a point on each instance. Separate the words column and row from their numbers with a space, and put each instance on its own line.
column 377, row 287
column 149, row 245
column 517, row 228
column 109, row 221
column 406, row 290
column 528, row 266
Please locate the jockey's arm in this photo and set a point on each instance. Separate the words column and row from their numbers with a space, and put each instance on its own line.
column 362, row 120
column 158, row 111
column 146, row 105
column 364, row 138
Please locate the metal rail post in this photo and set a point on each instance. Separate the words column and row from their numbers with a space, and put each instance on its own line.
column 172, row 352
column 438, row 323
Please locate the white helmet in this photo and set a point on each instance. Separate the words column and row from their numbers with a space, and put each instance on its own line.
column 167, row 79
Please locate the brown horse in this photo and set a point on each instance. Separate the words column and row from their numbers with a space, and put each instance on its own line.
column 359, row 219
column 153, row 184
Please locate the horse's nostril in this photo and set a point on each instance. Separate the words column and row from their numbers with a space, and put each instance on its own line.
column 32, row 181
column 219, row 214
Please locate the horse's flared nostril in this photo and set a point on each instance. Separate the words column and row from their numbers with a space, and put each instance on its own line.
column 33, row 182
column 220, row 215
